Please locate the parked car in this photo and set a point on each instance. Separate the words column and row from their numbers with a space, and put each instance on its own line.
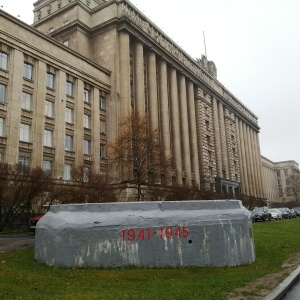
column 293, row 213
column 286, row 212
column 297, row 211
column 276, row 214
column 33, row 222
column 261, row 214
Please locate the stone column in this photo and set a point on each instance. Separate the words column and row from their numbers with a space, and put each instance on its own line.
column 38, row 120
column 79, row 131
column 175, row 127
column 223, row 140
column 164, row 109
column 139, row 79
column 124, row 79
column 249, row 160
column 152, row 91
column 243, row 160
column 259, row 163
column 59, row 130
column 239, row 147
column 185, row 140
column 13, row 115
column 218, row 147
column 193, row 132
column 95, row 121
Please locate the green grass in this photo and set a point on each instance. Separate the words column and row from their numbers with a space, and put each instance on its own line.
column 23, row 278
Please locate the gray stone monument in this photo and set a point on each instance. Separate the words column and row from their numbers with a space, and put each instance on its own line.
column 210, row 233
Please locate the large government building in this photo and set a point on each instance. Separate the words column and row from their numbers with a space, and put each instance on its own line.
column 66, row 81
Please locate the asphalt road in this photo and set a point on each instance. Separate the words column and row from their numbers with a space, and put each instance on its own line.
column 16, row 242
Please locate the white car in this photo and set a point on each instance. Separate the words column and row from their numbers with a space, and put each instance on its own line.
column 276, row 214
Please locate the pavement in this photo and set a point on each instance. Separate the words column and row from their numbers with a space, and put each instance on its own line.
column 289, row 289
column 16, row 242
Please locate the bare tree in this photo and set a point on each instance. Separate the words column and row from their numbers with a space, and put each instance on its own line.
column 21, row 188
column 293, row 187
column 139, row 153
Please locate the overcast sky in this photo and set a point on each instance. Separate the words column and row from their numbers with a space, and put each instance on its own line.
column 255, row 46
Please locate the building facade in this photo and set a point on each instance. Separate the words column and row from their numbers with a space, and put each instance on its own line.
column 212, row 137
column 277, row 178
column 50, row 102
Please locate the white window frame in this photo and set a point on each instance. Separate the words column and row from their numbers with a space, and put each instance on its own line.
column 69, row 115
column 3, row 60
column 47, row 166
column 102, row 103
column 24, row 132
column 103, row 127
column 67, row 172
column 48, row 138
column 69, row 88
column 102, row 151
column 49, row 108
column 2, row 124
column 68, row 142
column 24, row 161
column 2, row 93
column 87, row 147
column 86, row 121
column 26, row 101
column 86, row 95
column 28, row 71
column 50, row 80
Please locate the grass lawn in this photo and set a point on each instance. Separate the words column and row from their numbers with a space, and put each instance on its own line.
column 23, row 278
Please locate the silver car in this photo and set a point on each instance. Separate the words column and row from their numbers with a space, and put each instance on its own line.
column 276, row 214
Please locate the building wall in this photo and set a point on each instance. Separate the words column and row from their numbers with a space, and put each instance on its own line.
column 269, row 180
column 24, row 45
column 284, row 170
column 209, row 133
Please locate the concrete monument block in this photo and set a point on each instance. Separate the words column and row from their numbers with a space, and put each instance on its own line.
column 149, row 234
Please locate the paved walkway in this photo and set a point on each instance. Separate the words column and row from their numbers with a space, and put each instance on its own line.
column 12, row 242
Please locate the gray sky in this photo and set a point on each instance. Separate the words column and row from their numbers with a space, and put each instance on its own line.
column 255, row 46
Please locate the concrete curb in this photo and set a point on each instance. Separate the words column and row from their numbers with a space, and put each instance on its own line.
column 281, row 290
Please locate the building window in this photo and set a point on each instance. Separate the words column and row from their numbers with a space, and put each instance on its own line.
column 102, row 151
column 48, row 138
column 51, row 29
column 47, row 166
column 2, row 93
column 102, row 102
column 66, row 43
column 69, row 88
column 27, row 71
column 69, row 115
column 3, row 61
column 103, row 127
column 68, row 142
column 1, row 127
column 65, row 23
column 86, row 95
column 86, row 121
column 50, row 80
column 86, row 147
column 49, row 108
column 26, row 101
column 24, row 161
column 1, row 156
column 24, row 132
column 67, row 172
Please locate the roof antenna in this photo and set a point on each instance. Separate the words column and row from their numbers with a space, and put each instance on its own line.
column 204, row 44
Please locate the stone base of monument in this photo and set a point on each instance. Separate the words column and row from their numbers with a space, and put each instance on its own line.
column 202, row 233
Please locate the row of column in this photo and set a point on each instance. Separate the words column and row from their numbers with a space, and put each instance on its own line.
column 250, row 159
column 170, row 98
